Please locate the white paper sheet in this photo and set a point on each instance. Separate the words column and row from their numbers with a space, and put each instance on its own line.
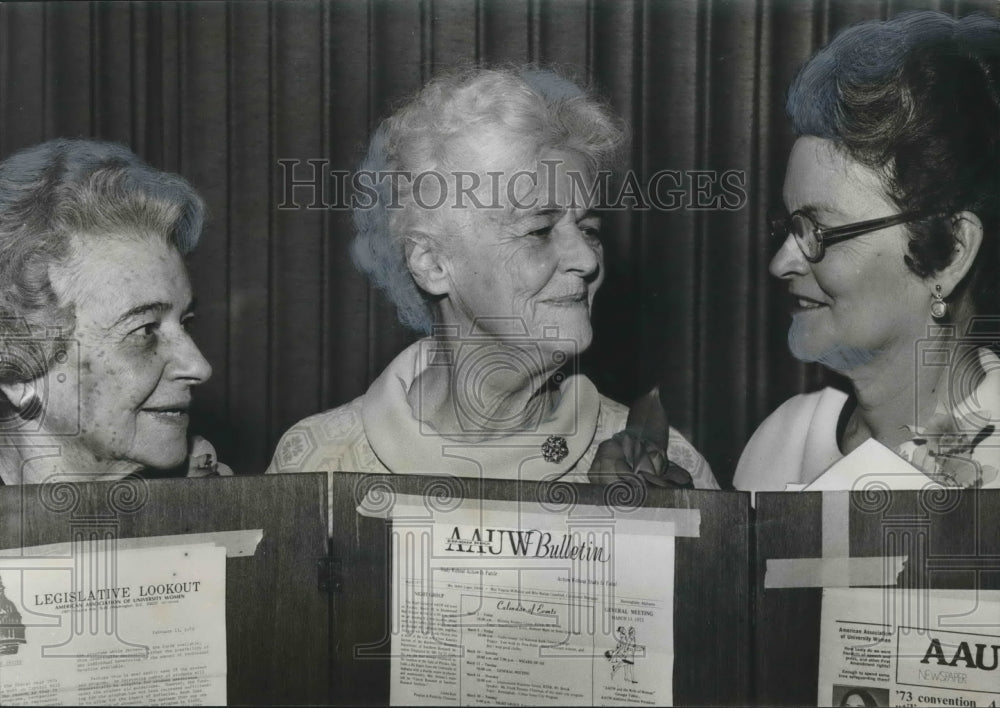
column 871, row 466
column 123, row 627
column 893, row 647
column 241, row 543
column 493, row 606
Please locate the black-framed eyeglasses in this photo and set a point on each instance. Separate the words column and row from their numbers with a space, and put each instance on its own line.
column 813, row 240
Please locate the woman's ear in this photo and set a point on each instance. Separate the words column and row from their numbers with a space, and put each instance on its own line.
column 967, row 230
column 427, row 263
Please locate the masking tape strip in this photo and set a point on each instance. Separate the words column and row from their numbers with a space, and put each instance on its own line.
column 873, row 571
column 836, row 539
column 651, row 520
column 835, row 569
column 238, row 544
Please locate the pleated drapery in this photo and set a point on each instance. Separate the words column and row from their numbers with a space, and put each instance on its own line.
column 221, row 92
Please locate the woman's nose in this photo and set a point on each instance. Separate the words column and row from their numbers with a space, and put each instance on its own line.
column 187, row 362
column 789, row 260
column 579, row 252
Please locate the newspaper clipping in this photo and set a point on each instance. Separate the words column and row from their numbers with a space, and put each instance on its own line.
column 890, row 647
column 127, row 627
column 518, row 609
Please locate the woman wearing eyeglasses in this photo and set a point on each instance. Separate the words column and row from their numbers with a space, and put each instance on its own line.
column 888, row 244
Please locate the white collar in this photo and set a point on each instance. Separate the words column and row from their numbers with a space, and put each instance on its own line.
column 406, row 445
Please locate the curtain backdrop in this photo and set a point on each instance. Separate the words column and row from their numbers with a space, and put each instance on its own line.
column 220, row 92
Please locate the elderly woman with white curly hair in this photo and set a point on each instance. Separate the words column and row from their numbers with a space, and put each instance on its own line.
column 484, row 238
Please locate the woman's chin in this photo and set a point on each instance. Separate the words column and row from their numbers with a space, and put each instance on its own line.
column 576, row 332
column 583, row 340
column 167, row 459
column 841, row 358
column 565, row 347
column 163, row 454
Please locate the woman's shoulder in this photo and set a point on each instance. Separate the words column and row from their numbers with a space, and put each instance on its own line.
column 611, row 418
column 802, row 408
column 333, row 440
column 776, row 452
column 681, row 452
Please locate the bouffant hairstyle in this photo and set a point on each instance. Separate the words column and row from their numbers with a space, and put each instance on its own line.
column 917, row 99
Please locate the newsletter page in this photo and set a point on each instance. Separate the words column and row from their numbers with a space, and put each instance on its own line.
column 121, row 627
column 503, row 607
column 892, row 647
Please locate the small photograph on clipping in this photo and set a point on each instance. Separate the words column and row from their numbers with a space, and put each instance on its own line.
column 845, row 695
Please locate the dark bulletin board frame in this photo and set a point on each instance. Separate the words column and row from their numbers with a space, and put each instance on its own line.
column 277, row 633
column 951, row 538
column 712, row 625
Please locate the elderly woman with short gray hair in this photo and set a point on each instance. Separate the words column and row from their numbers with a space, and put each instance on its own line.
column 494, row 250
column 96, row 361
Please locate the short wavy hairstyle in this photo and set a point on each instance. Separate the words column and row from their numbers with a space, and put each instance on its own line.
column 917, row 99
column 528, row 111
column 64, row 189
